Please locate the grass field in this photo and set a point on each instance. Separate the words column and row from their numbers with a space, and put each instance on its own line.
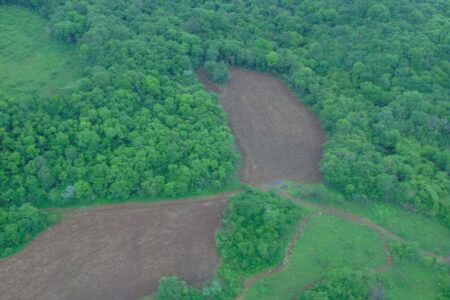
column 327, row 243
column 408, row 280
column 418, row 230
column 31, row 63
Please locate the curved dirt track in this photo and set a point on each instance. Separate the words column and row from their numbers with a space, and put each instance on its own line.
column 383, row 233
column 278, row 137
column 117, row 252
column 322, row 211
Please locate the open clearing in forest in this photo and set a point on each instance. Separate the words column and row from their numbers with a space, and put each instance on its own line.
column 326, row 243
column 355, row 242
column 278, row 137
column 31, row 63
column 117, row 252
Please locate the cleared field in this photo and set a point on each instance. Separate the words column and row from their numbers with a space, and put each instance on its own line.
column 278, row 137
column 117, row 252
column 31, row 63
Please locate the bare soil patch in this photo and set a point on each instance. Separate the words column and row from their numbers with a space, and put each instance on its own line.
column 117, row 252
column 278, row 137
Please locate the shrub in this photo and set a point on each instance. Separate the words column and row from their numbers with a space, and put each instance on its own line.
column 256, row 230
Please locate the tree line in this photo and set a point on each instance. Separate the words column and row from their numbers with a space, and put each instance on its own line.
column 138, row 123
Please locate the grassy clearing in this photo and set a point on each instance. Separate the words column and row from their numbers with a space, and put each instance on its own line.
column 412, row 280
column 327, row 243
column 418, row 230
column 31, row 63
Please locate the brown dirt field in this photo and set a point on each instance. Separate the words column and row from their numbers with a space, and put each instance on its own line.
column 117, row 252
column 278, row 137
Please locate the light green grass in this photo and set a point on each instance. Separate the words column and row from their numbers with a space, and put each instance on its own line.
column 409, row 280
column 418, row 230
column 327, row 243
column 31, row 63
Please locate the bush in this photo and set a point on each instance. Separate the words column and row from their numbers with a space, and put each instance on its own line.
column 344, row 284
column 171, row 288
column 256, row 230
column 217, row 71
column 18, row 225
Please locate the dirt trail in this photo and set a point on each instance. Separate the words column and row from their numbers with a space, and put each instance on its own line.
column 325, row 210
column 252, row 280
column 366, row 222
column 322, row 211
column 279, row 138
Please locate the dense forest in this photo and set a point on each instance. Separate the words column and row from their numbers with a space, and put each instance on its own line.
column 138, row 123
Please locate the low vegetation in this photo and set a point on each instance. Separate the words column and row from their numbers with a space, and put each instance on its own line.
column 414, row 276
column 420, row 231
column 345, row 284
column 312, row 273
column 32, row 64
column 171, row 288
column 326, row 244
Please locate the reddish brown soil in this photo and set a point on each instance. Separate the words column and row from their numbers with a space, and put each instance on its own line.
column 117, row 252
column 278, row 137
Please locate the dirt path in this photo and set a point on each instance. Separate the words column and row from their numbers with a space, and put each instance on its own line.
column 384, row 268
column 325, row 210
column 366, row 222
column 278, row 137
column 252, row 280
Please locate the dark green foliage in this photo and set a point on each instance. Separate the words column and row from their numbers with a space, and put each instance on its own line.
column 377, row 73
column 217, row 71
column 19, row 225
column 137, row 124
column 345, row 284
column 171, row 288
column 256, row 229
